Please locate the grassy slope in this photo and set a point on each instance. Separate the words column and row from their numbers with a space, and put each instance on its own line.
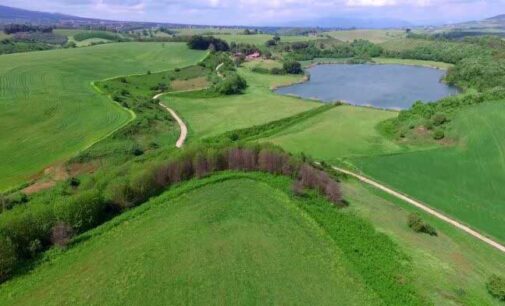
column 344, row 131
column 451, row 268
column 429, row 64
column 212, row 116
column 234, row 242
column 42, row 91
column 375, row 36
column 464, row 181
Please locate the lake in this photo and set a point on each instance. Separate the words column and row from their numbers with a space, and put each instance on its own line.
column 382, row 86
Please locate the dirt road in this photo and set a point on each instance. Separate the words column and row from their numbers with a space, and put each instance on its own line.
column 182, row 125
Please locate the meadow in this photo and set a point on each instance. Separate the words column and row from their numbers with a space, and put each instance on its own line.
column 207, row 117
column 42, row 91
column 463, row 181
column 261, row 39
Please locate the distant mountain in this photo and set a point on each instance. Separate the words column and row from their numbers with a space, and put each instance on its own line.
column 16, row 15
column 343, row 22
column 493, row 23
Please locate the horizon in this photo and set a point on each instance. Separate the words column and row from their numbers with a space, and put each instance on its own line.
column 290, row 13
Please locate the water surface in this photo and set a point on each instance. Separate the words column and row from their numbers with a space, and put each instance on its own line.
column 382, row 86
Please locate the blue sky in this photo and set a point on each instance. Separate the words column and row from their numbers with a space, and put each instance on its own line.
column 269, row 12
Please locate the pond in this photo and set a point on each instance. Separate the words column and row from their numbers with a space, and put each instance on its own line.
column 381, row 86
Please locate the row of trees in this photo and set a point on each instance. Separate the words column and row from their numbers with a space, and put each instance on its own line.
column 27, row 230
column 16, row 28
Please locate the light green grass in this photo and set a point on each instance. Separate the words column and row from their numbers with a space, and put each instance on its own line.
column 344, row 131
column 375, row 36
column 258, row 105
column 90, row 41
column 263, row 63
column 3, row 35
column 465, row 181
column 238, row 242
column 48, row 109
column 451, row 269
column 410, row 62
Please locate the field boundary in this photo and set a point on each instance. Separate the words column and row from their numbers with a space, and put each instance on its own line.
column 423, row 207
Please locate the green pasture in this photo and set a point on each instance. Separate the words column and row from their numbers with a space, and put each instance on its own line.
column 212, row 116
column 48, row 109
column 465, row 181
column 344, row 131
column 261, row 39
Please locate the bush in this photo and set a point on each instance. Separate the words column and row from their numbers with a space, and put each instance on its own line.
column 82, row 211
column 438, row 134
column 418, row 225
column 439, row 119
column 496, row 287
column 199, row 42
column 232, row 84
column 8, row 258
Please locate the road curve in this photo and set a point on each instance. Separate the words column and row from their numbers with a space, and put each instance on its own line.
column 182, row 125
column 425, row 208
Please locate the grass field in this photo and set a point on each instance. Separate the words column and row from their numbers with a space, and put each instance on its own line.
column 3, row 35
column 342, row 132
column 375, row 36
column 231, row 243
column 463, row 181
column 211, row 116
column 451, row 268
column 429, row 64
column 40, row 93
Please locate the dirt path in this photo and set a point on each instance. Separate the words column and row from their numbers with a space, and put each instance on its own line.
column 425, row 208
column 182, row 125
column 217, row 70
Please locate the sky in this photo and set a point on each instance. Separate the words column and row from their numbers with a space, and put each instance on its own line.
column 269, row 12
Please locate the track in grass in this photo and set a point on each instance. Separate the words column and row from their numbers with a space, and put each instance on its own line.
column 41, row 93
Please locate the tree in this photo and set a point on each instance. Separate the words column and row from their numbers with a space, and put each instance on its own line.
column 8, row 258
column 199, row 42
column 292, row 67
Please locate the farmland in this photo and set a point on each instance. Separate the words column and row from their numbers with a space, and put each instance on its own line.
column 375, row 36
column 40, row 91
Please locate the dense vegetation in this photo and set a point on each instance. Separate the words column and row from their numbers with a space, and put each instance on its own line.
column 97, row 34
column 198, row 42
column 496, row 287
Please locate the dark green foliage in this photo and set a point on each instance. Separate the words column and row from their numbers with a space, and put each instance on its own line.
column 438, row 134
column 292, row 67
column 364, row 48
column 38, row 37
column 418, row 225
column 199, row 42
column 81, row 212
column 17, row 28
column 481, row 73
column 232, row 84
column 8, row 46
column 8, row 258
column 439, row 119
column 387, row 272
column 496, row 287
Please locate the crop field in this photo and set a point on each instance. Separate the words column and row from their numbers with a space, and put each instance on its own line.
column 463, row 181
column 342, row 132
column 232, row 242
column 375, row 36
column 41, row 91
column 211, row 116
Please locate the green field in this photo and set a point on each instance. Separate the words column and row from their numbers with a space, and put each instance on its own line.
column 235, row 242
column 375, row 36
column 463, row 181
column 344, row 131
column 450, row 268
column 211, row 116
column 429, row 64
column 41, row 93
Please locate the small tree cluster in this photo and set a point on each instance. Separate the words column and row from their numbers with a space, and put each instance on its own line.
column 199, row 42
column 496, row 287
column 292, row 67
column 310, row 177
column 418, row 225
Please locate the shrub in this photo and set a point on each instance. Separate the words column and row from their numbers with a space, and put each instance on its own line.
column 119, row 194
column 298, row 188
column 438, row 134
column 82, row 211
column 61, row 234
column 439, row 119
column 232, row 84
column 8, row 258
column 496, row 287
column 199, row 42
column 418, row 225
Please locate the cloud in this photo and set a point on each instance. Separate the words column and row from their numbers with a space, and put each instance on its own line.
column 265, row 12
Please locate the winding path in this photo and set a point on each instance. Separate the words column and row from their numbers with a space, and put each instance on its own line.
column 425, row 208
column 182, row 125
